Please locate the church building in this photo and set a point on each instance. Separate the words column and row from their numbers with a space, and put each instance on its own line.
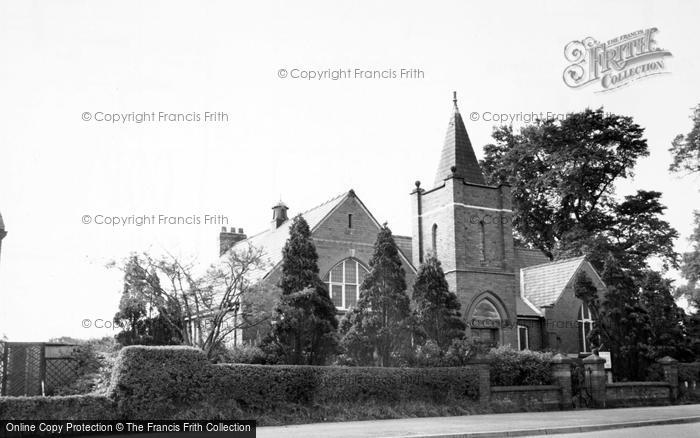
column 509, row 295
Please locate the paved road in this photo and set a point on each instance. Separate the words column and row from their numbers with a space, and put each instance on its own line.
column 691, row 430
column 495, row 423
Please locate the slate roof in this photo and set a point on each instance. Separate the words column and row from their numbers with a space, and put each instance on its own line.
column 405, row 244
column 525, row 257
column 524, row 308
column 543, row 284
column 458, row 152
column 272, row 240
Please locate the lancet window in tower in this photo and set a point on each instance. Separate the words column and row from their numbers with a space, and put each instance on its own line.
column 482, row 242
column 434, row 241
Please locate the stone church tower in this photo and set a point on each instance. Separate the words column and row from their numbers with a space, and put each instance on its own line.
column 467, row 224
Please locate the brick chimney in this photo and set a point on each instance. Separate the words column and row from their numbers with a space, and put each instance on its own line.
column 229, row 238
column 279, row 215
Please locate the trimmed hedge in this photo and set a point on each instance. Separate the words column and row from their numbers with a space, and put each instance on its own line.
column 179, row 382
column 516, row 368
column 71, row 407
column 259, row 387
column 158, row 382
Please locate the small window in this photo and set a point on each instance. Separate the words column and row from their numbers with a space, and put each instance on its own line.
column 350, row 220
column 434, row 238
column 482, row 241
column 523, row 340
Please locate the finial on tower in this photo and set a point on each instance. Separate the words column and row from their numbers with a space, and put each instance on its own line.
column 454, row 100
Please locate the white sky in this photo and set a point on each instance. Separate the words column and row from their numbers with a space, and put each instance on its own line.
column 303, row 141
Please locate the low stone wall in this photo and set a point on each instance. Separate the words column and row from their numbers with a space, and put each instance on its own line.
column 625, row 394
column 529, row 398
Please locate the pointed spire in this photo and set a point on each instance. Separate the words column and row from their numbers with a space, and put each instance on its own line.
column 458, row 158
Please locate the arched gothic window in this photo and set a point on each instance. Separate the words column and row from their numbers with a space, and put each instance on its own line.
column 486, row 321
column 585, row 322
column 344, row 281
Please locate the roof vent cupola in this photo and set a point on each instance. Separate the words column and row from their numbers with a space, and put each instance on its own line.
column 279, row 214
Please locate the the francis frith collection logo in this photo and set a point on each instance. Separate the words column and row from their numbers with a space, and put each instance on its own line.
column 616, row 62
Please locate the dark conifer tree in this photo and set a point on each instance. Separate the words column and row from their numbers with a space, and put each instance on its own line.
column 304, row 324
column 437, row 308
column 379, row 328
column 622, row 323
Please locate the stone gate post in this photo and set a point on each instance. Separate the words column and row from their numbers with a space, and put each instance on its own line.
column 594, row 367
column 561, row 370
column 670, row 367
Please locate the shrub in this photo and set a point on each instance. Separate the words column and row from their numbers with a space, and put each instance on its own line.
column 73, row 407
column 157, row 382
column 92, row 363
column 87, row 364
column 460, row 353
column 689, row 372
column 513, row 368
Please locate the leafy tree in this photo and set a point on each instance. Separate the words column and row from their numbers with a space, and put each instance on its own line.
column 141, row 321
column 437, row 308
column 668, row 337
column 686, row 158
column 563, row 175
column 304, row 325
column 379, row 329
column 199, row 309
column 686, row 148
column 622, row 325
column 693, row 324
column 690, row 265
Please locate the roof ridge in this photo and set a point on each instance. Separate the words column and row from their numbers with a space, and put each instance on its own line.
column 270, row 230
column 554, row 262
column 325, row 202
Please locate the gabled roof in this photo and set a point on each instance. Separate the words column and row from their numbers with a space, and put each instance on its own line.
column 272, row 241
column 543, row 284
column 457, row 152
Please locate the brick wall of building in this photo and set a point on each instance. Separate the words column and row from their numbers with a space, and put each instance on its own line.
column 561, row 319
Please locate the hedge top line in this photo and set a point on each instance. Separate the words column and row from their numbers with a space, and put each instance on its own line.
column 200, row 355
